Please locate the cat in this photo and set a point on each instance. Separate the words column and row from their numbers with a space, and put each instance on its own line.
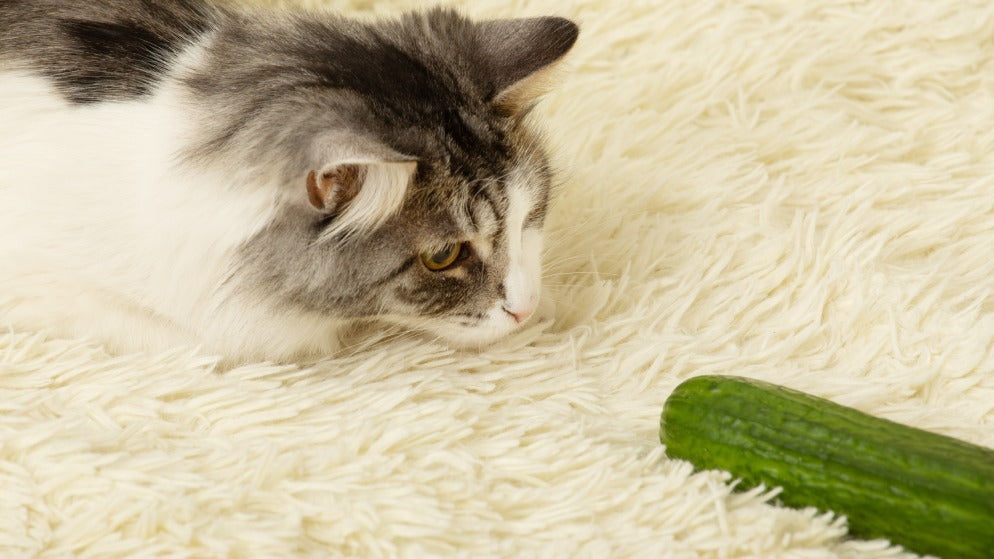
column 253, row 181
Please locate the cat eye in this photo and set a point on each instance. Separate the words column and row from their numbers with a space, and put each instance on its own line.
column 442, row 259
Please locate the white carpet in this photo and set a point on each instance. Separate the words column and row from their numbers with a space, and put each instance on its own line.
column 801, row 192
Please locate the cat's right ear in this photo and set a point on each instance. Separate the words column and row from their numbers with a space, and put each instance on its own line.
column 521, row 56
column 359, row 188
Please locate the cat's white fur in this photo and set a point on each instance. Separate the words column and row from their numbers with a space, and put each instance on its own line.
column 525, row 247
column 106, row 237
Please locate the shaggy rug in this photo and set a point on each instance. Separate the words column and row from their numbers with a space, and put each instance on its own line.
column 801, row 192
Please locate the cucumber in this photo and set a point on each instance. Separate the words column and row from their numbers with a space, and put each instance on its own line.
column 929, row 493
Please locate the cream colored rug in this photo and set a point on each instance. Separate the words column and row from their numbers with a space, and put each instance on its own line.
column 801, row 192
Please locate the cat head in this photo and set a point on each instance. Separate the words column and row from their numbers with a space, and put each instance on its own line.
column 413, row 190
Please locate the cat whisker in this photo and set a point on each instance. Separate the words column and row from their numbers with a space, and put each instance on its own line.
column 563, row 261
column 605, row 275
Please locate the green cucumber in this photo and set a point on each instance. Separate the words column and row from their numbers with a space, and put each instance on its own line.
column 927, row 492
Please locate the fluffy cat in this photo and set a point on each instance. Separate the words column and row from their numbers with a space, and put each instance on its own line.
column 178, row 172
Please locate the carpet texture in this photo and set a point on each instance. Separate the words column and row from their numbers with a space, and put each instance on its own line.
column 801, row 192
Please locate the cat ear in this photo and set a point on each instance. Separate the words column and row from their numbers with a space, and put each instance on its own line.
column 360, row 190
column 521, row 56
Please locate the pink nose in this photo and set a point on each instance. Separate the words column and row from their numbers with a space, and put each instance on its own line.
column 519, row 315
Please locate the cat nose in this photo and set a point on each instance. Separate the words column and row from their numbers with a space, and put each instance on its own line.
column 520, row 315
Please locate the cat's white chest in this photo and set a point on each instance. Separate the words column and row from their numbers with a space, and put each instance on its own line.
column 107, row 236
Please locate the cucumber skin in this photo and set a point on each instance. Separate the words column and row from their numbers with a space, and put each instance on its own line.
column 929, row 493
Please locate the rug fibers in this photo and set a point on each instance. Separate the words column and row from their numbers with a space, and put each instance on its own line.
column 801, row 192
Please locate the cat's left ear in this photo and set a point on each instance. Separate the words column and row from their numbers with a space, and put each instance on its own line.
column 359, row 185
column 521, row 56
